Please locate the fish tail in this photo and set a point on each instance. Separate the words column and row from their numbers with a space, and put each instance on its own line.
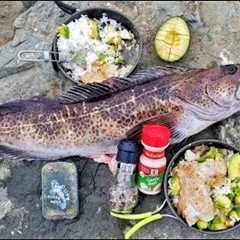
column 9, row 152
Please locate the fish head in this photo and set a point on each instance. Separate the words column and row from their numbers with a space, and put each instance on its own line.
column 224, row 86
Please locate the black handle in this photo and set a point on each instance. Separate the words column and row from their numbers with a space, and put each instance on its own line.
column 66, row 8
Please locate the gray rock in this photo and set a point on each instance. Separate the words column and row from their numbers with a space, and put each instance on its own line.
column 5, row 171
column 21, row 79
column 5, row 203
column 28, row 4
column 229, row 131
column 215, row 30
column 9, row 11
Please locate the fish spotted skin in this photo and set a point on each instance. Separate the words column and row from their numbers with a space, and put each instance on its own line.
column 187, row 102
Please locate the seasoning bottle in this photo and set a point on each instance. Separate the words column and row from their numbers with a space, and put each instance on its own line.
column 124, row 191
column 152, row 165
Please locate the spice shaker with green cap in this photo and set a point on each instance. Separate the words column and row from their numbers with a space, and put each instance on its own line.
column 124, row 191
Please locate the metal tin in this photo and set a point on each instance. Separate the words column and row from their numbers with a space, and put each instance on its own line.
column 60, row 191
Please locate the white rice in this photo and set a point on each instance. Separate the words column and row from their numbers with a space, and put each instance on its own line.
column 224, row 189
column 190, row 155
column 175, row 200
column 80, row 42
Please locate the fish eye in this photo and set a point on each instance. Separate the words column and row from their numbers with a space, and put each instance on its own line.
column 230, row 68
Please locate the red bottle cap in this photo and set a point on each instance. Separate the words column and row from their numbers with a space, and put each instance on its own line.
column 155, row 135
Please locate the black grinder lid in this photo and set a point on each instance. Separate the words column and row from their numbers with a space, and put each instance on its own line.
column 128, row 152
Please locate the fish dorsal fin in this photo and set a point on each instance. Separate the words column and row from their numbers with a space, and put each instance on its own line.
column 95, row 91
column 168, row 119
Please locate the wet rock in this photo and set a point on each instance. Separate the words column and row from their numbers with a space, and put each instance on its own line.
column 9, row 11
column 28, row 4
column 21, row 79
column 5, row 207
column 215, row 31
column 229, row 131
column 5, row 171
column 5, row 204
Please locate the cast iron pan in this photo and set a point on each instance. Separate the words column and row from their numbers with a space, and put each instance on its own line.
column 132, row 56
column 174, row 161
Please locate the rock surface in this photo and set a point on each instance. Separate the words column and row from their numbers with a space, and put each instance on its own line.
column 9, row 12
column 5, row 204
column 215, row 33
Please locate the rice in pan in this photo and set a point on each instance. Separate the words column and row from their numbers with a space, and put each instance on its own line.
column 92, row 50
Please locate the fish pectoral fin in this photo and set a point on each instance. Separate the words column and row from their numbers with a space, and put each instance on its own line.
column 96, row 91
column 7, row 152
column 169, row 120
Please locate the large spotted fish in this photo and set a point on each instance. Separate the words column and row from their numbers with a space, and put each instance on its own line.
column 91, row 119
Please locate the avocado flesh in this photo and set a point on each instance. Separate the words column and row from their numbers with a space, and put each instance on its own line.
column 234, row 166
column 94, row 29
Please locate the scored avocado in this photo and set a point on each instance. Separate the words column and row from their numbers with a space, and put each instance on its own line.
column 172, row 39
column 234, row 166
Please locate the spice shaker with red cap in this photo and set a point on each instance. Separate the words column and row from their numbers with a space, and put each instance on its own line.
column 152, row 165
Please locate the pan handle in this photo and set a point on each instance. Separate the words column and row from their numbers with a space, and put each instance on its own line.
column 41, row 56
column 154, row 216
column 66, row 7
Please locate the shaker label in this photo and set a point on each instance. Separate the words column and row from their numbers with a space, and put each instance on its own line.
column 150, row 171
column 127, row 168
column 150, row 178
column 150, row 182
column 153, row 155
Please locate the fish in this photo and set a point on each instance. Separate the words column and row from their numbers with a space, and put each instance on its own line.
column 194, row 201
column 89, row 120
